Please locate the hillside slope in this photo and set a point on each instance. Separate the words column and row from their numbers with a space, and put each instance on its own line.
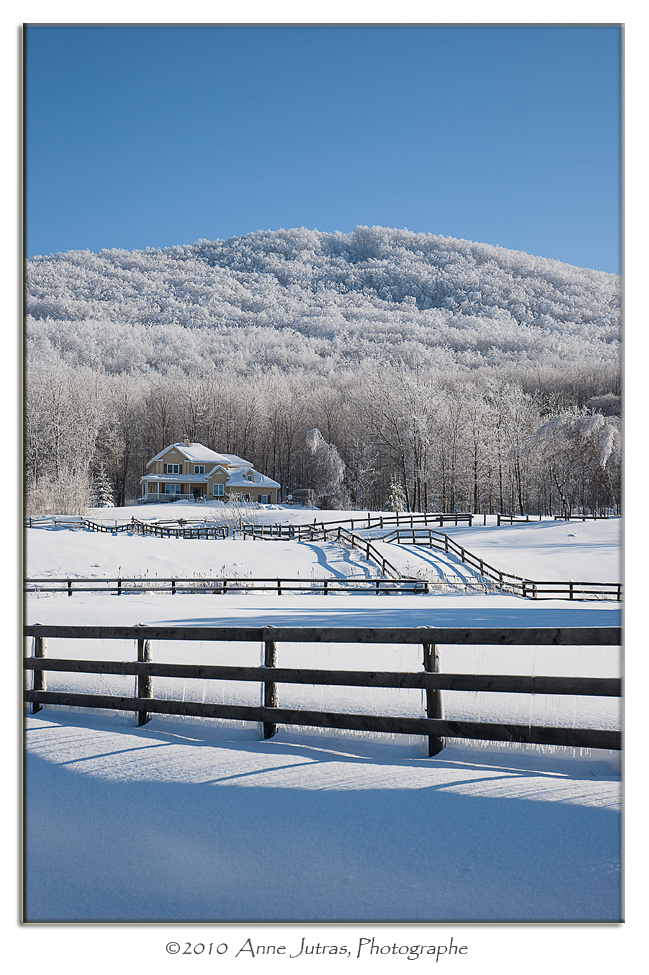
column 301, row 298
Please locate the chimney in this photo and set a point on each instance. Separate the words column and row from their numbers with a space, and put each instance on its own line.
column 186, row 442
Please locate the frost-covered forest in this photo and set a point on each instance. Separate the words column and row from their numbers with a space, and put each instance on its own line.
column 436, row 373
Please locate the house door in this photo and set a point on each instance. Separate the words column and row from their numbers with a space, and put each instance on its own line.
column 197, row 492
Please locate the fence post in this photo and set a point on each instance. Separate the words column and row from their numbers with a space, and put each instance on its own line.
column 143, row 680
column 40, row 679
column 270, row 688
column 434, row 708
column 69, row 587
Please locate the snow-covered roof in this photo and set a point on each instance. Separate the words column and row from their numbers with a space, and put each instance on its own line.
column 237, row 461
column 237, row 478
column 197, row 453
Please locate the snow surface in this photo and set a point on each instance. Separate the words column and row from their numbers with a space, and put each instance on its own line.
column 348, row 827
column 187, row 823
column 543, row 551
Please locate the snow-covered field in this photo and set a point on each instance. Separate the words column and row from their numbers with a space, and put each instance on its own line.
column 187, row 820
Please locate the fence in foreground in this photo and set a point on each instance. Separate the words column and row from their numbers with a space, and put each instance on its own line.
column 434, row 726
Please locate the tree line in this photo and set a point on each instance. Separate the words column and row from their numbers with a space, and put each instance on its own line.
column 537, row 441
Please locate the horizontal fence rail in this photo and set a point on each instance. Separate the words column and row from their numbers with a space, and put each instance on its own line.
column 435, row 727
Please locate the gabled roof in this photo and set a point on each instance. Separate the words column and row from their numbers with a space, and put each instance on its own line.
column 196, row 453
column 237, row 478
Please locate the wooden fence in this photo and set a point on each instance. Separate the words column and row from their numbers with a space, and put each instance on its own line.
column 434, row 726
column 177, row 527
column 505, row 581
column 392, row 581
column 325, row 531
column 222, row 586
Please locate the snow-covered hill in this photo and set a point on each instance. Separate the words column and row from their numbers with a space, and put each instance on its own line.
column 290, row 298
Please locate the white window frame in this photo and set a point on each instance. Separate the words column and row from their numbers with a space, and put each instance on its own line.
column 171, row 488
column 264, row 499
column 218, row 489
column 175, row 468
column 199, row 468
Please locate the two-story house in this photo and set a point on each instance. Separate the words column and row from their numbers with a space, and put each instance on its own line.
column 193, row 471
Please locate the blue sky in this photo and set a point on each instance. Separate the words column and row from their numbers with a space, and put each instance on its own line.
column 152, row 136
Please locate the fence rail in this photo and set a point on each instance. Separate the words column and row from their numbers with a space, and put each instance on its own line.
column 435, row 727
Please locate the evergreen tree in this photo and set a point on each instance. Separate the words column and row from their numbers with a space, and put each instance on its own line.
column 395, row 500
column 102, row 493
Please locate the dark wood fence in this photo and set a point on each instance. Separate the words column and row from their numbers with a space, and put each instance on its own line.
column 506, row 581
column 222, row 586
column 176, row 528
column 435, row 727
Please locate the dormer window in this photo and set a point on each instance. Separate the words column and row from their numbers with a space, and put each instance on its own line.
column 199, row 468
column 249, row 477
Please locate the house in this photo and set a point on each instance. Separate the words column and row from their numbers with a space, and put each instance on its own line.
column 192, row 471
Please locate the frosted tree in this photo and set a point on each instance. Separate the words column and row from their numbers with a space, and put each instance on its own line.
column 581, row 453
column 64, row 410
column 327, row 469
column 395, row 500
column 102, row 492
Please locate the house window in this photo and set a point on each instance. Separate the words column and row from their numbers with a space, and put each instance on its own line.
column 173, row 488
column 263, row 499
column 172, row 468
column 199, row 468
column 217, row 490
column 249, row 477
